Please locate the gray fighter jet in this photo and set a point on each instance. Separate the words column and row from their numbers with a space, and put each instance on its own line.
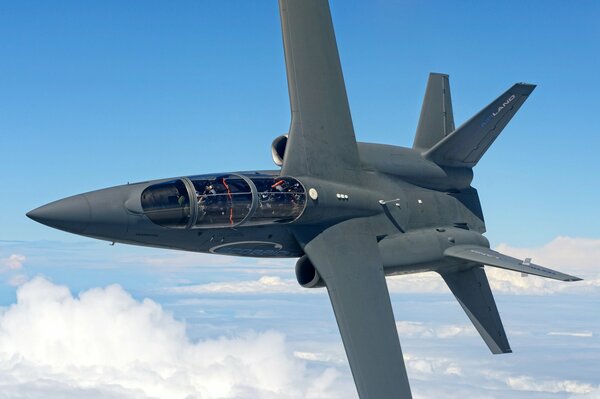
column 351, row 212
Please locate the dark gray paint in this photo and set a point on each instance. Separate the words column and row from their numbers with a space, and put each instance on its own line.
column 473, row 292
column 362, row 307
column 437, row 118
column 381, row 209
column 466, row 145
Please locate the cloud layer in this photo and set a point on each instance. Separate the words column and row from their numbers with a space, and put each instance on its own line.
column 579, row 256
column 105, row 344
column 13, row 262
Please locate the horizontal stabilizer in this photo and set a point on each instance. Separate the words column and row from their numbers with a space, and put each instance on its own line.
column 486, row 256
column 466, row 145
column 437, row 119
column 472, row 290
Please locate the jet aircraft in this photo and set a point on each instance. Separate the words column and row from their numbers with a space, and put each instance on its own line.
column 351, row 212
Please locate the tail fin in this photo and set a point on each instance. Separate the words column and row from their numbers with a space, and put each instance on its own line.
column 466, row 145
column 437, row 120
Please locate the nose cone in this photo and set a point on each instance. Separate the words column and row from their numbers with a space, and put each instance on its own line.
column 72, row 214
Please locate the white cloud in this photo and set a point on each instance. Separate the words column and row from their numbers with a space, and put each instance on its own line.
column 171, row 260
column 268, row 284
column 184, row 259
column 567, row 254
column 13, row 262
column 424, row 367
column 428, row 282
column 583, row 254
column 264, row 285
column 527, row 383
column 320, row 357
column 578, row 256
column 595, row 394
column 105, row 344
column 417, row 329
column 17, row 280
column 582, row 334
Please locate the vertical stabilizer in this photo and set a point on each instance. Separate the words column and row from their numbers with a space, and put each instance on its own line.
column 437, row 119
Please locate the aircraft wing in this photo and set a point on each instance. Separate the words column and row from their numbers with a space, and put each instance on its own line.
column 348, row 260
column 472, row 290
column 321, row 140
column 490, row 257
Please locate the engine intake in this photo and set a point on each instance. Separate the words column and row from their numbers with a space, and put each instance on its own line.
column 278, row 149
column 307, row 275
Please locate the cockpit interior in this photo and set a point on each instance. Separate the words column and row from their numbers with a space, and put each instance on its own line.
column 227, row 200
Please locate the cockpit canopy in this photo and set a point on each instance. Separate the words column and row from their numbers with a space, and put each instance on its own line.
column 227, row 200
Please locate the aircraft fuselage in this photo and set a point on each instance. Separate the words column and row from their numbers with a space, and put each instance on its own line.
column 250, row 213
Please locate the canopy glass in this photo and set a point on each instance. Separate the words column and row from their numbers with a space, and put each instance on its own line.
column 227, row 200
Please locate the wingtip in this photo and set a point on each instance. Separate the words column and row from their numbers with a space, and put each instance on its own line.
column 573, row 278
column 525, row 88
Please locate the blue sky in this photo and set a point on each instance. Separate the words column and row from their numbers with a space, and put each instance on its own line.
column 95, row 94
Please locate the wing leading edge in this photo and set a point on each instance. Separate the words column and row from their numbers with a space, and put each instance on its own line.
column 348, row 260
column 321, row 140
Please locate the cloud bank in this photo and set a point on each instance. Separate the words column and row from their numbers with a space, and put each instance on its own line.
column 12, row 262
column 578, row 256
column 106, row 344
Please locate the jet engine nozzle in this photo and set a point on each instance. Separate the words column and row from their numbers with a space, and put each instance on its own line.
column 307, row 275
column 278, row 149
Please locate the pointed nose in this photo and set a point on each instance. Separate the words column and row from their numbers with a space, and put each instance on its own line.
column 72, row 214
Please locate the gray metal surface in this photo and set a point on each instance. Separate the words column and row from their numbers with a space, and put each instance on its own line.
column 472, row 290
column 321, row 140
column 467, row 144
column 437, row 118
column 347, row 258
column 490, row 257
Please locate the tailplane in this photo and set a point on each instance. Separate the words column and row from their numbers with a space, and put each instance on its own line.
column 466, row 145
column 472, row 290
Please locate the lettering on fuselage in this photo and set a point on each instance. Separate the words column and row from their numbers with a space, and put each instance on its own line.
column 500, row 108
column 257, row 249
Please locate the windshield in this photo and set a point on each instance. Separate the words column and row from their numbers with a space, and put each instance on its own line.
column 167, row 204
